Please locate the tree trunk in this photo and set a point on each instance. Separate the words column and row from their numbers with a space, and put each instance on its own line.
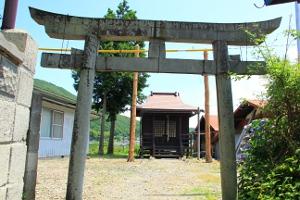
column 110, row 148
column 102, row 123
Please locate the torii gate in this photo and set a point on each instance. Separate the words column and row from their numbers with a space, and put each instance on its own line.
column 93, row 30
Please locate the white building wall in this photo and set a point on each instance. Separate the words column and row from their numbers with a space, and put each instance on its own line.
column 51, row 147
column 237, row 137
column 217, row 146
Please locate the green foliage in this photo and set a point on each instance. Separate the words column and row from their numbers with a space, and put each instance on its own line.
column 294, row 33
column 272, row 167
column 53, row 90
column 117, row 86
column 122, row 128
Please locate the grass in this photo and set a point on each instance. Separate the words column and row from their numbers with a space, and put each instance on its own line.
column 209, row 188
column 203, row 193
column 119, row 151
column 210, row 178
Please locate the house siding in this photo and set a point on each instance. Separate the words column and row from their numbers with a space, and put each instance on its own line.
column 217, row 146
column 51, row 147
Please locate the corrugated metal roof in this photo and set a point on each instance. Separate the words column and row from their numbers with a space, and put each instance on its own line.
column 247, row 106
column 54, row 91
column 257, row 103
column 214, row 122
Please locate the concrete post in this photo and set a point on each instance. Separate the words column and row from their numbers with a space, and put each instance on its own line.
column 33, row 139
column 226, row 123
column 81, row 127
column 157, row 48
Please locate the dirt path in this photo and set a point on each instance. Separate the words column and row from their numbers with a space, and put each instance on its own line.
column 143, row 179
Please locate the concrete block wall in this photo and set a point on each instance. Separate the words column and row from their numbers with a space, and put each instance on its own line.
column 18, row 53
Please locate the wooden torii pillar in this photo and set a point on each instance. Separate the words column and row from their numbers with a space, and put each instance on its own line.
column 157, row 32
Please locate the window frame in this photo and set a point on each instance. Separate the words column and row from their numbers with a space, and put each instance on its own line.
column 165, row 125
column 51, row 124
column 43, row 110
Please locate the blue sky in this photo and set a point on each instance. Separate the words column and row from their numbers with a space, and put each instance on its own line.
column 190, row 87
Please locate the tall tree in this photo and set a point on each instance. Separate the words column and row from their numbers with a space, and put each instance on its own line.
column 116, row 86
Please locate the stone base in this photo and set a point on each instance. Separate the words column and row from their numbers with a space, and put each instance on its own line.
column 17, row 65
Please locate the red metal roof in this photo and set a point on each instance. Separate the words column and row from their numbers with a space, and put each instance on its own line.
column 254, row 103
column 246, row 107
column 257, row 103
column 163, row 101
column 214, row 122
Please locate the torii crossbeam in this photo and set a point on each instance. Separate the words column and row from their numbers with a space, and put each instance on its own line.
column 76, row 28
column 93, row 30
column 154, row 65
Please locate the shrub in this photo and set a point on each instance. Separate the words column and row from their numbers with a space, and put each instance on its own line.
column 271, row 169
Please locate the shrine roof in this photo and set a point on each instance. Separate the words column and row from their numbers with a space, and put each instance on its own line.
column 165, row 102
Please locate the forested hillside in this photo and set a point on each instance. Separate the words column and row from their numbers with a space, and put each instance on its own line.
column 122, row 127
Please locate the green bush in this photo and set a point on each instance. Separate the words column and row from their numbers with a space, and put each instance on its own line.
column 271, row 169
column 266, row 173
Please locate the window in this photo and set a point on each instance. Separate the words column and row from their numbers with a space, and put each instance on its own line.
column 164, row 127
column 46, row 123
column 52, row 123
column 172, row 128
column 159, row 127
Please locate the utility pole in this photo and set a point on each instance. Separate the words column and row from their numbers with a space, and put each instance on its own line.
column 208, row 157
column 10, row 14
column 297, row 28
column 198, row 136
column 102, row 126
column 133, row 110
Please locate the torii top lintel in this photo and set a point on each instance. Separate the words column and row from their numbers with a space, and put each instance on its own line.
column 76, row 28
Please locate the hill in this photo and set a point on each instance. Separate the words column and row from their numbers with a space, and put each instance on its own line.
column 54, row 90
column 122, row 127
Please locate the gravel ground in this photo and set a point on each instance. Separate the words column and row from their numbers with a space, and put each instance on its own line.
column 142, row 179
